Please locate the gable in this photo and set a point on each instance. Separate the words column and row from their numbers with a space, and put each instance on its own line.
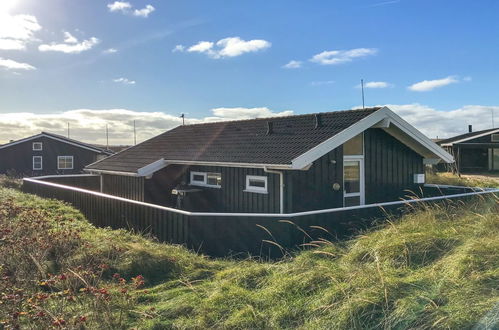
column 54, row 137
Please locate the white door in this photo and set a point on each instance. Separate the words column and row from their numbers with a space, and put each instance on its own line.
column 353, row 181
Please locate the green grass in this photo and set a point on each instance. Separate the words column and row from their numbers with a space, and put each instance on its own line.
column 435, row 268
column 454, row 180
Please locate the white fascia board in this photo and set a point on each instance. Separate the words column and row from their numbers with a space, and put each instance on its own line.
column 151, row 168
column 379, row 118
column 419, row 137
column 340, row 138
column 50, row 137
column 470, row 138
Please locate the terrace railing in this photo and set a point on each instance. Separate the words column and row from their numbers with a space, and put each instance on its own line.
column 221, row 234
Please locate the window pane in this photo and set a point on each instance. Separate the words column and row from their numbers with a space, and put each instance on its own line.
column 351, row 176
column 198, row 177
column 354, row 146
column 257, row 183
column 352, row 201
column 214, row 179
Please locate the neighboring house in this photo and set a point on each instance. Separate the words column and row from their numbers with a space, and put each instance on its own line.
column 474, row 151
column 275, row 165
column 47, row 153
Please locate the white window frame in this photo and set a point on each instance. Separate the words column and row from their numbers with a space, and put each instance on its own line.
column 41, row 163
column 494, row 137
column 66, row 168
column 37, row 144
column 203, row 183
column 254, row 189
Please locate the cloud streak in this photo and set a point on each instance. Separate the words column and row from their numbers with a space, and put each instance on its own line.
column 375, row 84
column 126, row 8
column 124, row 81
column 429, row 85
column 335, row 57
column 292, row 65
column 13, row 65
column 71, row 45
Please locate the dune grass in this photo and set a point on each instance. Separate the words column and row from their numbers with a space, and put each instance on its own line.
column 434, row 268
column 455, row 180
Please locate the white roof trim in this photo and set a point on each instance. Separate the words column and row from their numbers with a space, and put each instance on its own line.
column 151, row 168
column 378, row 118
column 50, row 137
column 470, row 138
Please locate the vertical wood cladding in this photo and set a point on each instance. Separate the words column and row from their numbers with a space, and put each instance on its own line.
column 123, row 186
column 19, row 158
column 389, row 167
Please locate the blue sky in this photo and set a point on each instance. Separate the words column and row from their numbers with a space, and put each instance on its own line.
column 446, row 50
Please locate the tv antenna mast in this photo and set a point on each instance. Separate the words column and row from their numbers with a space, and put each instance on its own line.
column 362, row 87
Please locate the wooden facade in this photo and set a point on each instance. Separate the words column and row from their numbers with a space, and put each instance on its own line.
column 389, row 168
column 17, row 159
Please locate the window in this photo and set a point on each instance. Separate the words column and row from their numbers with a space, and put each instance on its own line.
column 495, row 138
column 65, row 162
column 256, row 184
column 37, row 146
column 37, row 163
column 354, row 146
column 206, row 179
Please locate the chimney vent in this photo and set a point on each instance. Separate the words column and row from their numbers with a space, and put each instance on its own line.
column 318, row 120
column 270, row 127
column 470, row 128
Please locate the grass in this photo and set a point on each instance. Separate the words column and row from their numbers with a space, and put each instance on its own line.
column 454, row 180
column 435, row 268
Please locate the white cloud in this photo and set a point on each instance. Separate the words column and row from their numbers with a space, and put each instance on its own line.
column 124, row 81
column 229, row 47
column 13, row 65
column 428, row 85
column 69, row 38
column 90, row 125
column 16, row 31
column 119, row 6
column 375, row 84
column 144, row 12
column 71, row 45
column 332, row 57
column 126, row 8
column 433, row 122
column 178, row 48
column 201, row 47
column 292, row 65
column 110, row 51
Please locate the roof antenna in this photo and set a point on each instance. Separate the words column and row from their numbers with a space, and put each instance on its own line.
column 107, row 137
column 362, row 86
column 183, row 118
column 134, row 134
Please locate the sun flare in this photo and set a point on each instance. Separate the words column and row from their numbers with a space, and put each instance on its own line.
column 7, row 5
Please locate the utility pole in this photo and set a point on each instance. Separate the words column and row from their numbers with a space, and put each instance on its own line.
column 183, row 118
column 68, row 130
column 362, row 87
column 107, row 137
column 493, row 119
column 134, row 134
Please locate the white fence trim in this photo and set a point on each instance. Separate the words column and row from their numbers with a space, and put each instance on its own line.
column 262, row 215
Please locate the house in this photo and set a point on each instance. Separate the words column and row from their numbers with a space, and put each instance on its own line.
column 47, row 154
column 474, row 151
column 275, row 165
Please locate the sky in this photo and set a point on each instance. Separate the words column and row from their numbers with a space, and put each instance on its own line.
column 97, row 63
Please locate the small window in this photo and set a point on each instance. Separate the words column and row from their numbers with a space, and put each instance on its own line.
column 495, row 138
column 354, row 146
column 37, row 163
column 257, row 184
column 37, row 146
column 65, row 162
column 206, row 179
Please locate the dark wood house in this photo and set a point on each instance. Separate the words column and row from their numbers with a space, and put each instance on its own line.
column 474, row 151
column 275, row 165
column 47, row 154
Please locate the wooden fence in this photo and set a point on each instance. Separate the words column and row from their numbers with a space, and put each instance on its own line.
column 222, row 234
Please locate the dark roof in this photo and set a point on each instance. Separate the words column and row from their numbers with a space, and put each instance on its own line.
column 59, row 137
column 465, row 136
column 243, row 141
